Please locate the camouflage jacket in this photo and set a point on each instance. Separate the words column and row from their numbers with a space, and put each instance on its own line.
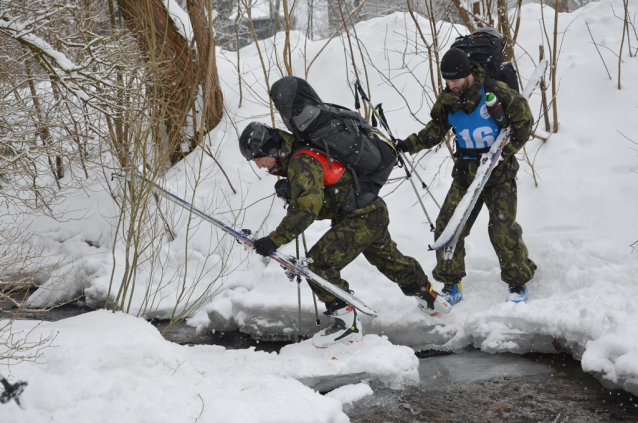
column 516, row 108
column 310, row 199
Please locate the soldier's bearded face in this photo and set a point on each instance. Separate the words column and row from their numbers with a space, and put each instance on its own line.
column 461, row 84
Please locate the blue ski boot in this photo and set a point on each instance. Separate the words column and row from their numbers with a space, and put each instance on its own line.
column 453, row 293
column 517, row 293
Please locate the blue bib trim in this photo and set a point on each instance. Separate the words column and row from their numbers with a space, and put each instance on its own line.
column 476, row 130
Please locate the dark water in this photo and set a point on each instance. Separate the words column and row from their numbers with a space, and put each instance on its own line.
column 477, row 387
column 185, row 335
column 468, row 386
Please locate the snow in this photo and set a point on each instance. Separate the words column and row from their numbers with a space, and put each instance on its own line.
column 299, row 12
column 348, row 394
column 180, row 17
column 579, row 224
column 259, row 9
column 115, row 367
column 21, row 31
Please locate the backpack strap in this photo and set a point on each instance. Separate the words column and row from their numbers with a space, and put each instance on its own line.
column 331, row 176
column 489, row 84
column 337, row 106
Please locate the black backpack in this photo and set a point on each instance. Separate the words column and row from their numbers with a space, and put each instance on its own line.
column 338, row 133
column 485, row 47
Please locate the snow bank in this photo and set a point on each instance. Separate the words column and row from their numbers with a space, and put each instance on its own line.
column 114, row 367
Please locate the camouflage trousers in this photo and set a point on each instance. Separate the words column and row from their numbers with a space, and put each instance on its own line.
column 365, row 234
column 505, row 234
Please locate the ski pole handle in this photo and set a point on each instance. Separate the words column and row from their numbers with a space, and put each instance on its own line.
column 362, row 93
column 384, row 122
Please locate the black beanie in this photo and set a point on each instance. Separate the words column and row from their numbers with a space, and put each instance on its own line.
column 455, row 64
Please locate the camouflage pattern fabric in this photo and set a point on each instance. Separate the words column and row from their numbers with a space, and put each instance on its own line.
column 310, row 199
column 499, row 194
column 506, row 236
column 516, row 108
column 365, row 234
column 362, row 231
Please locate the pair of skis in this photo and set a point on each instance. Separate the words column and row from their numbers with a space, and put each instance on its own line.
column 488, row 161
column 290, row 264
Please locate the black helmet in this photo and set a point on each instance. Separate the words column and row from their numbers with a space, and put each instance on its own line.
column 259, row 140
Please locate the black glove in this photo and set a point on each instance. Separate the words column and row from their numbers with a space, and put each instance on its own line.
column 282, row 188
column 403, row 145
column 264, row 246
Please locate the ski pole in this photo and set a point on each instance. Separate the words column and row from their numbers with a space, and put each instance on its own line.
column 314, row 296
column 11, row 391
column 427, row 216
column 289, row 263
column 298, row 294
column 402, row 154
column 378, row 112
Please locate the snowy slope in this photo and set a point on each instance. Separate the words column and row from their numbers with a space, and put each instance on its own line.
column 578, row 224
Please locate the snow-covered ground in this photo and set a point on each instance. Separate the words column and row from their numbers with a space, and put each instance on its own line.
column 118, row 368
column 579, row 223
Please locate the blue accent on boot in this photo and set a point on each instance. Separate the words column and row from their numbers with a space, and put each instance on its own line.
column 453, row 293
column 517, row 293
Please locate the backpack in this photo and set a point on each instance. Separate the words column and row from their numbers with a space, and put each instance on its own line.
column 338, row 133
column 485, row 47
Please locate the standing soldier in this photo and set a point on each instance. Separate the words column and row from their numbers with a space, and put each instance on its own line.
column 318, row 190
column 461, row 106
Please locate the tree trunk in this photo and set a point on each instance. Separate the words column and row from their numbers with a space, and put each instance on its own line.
column 176, row 68
column 465, row 16
column 505, row 29
column 208, row 76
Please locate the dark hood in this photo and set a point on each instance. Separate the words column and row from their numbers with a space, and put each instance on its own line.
column 291, row 95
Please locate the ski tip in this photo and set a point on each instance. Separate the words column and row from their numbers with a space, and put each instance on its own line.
column 355, row 302
column 367, row 311
column 434, row 247
column 448, row 253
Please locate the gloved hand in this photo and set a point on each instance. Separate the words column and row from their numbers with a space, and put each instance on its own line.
column 264, row 246
column 282, row 188
column 403, row 145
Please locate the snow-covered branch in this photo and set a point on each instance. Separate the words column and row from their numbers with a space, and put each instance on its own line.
column 54, row 62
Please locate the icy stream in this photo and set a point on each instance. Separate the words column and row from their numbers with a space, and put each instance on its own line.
column 468, row 386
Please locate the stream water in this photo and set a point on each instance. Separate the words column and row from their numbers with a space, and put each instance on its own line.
column 468, row 386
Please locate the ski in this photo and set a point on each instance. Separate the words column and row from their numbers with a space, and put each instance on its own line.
column 289, row 263
column 450, row 235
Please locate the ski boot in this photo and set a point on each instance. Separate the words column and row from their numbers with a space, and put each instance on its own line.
column 453, row 293
column 517, row 293
column 430, row 302
column 345, row 329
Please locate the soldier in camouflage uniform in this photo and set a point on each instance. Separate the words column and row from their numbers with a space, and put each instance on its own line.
column 460, row 106
column 362, row 231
